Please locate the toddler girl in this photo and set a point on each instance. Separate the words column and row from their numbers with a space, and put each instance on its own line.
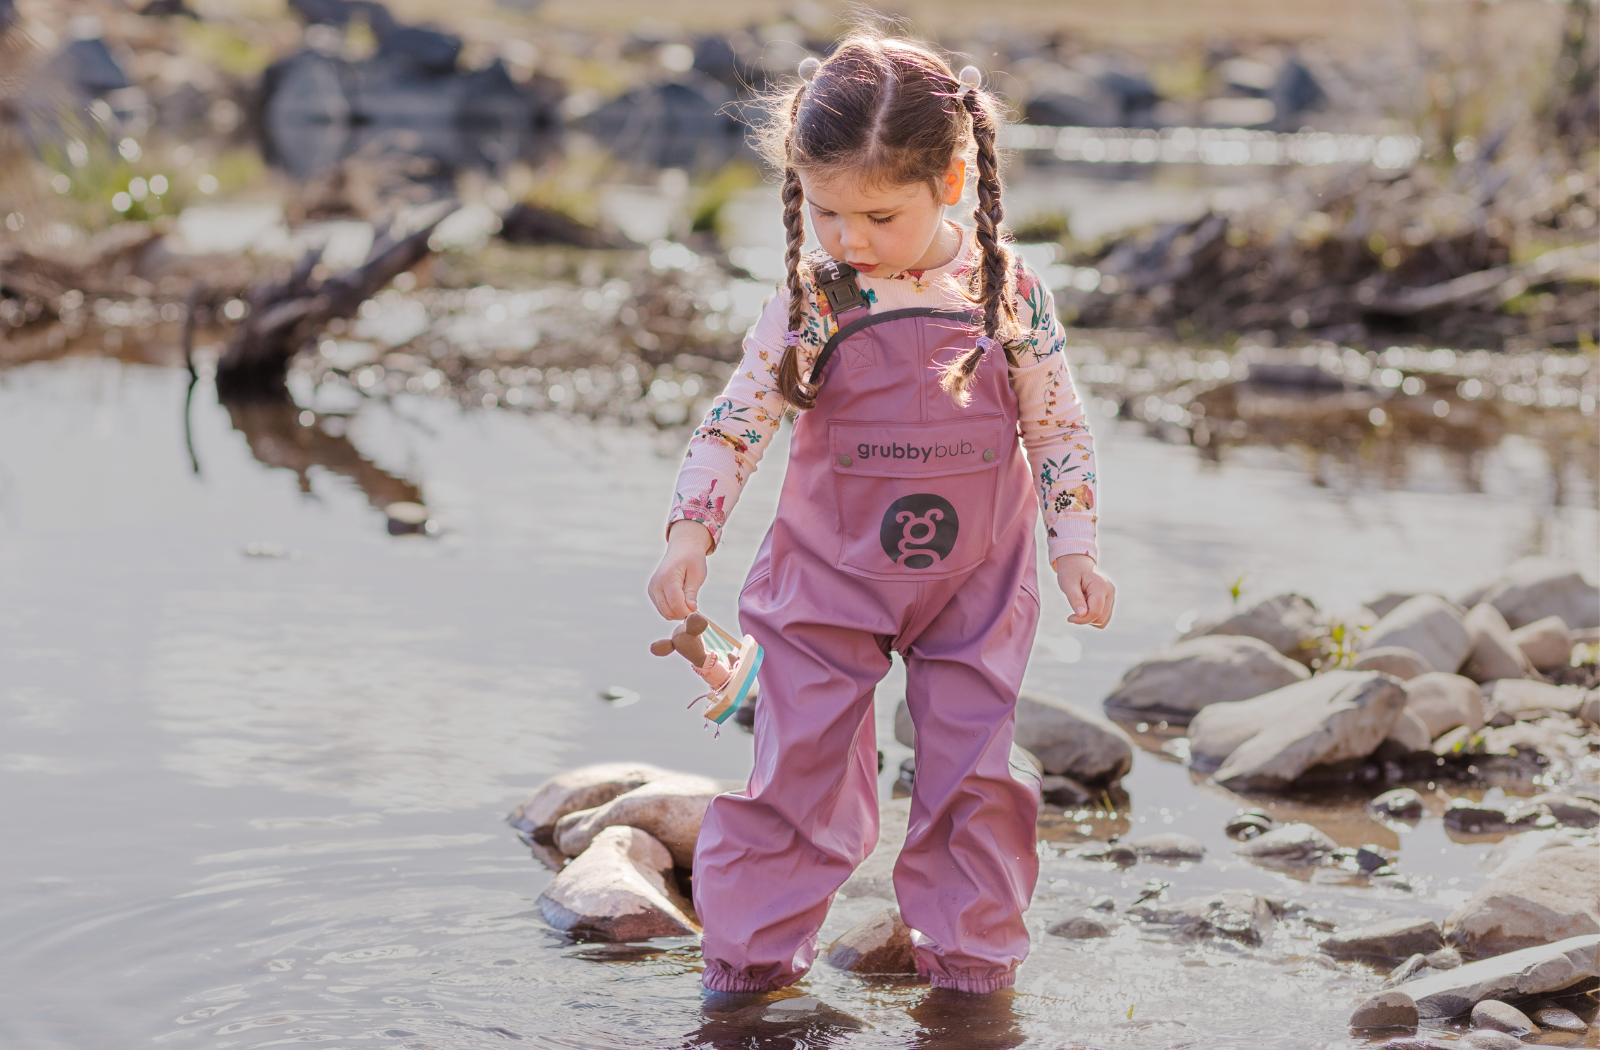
column 916, row 352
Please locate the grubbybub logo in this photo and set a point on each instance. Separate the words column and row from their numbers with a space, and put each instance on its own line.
column 919, row 530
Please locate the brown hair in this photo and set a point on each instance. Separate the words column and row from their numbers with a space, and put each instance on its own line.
column 891, row 111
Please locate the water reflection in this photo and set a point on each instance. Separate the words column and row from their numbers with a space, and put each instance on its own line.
column 949, row 1020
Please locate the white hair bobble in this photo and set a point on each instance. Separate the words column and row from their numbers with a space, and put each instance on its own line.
column 970, row 80
column 808, row 67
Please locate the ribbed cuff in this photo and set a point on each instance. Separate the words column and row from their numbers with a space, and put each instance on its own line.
column 719, row 978
column 712, row 526
column 974, row 985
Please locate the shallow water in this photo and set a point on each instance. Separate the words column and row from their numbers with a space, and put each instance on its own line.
column 256, row 800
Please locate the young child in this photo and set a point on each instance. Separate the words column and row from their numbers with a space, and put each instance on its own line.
column 905, row 523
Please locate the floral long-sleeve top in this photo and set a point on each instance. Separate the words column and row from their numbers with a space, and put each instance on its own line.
column 728, row 445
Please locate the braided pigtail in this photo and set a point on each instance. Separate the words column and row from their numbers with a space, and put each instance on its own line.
column 794, row 388
column 995, row 262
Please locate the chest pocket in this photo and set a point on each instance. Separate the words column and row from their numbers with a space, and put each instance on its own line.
column 917, row 500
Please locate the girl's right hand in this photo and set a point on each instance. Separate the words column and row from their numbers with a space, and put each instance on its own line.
column 675, row 587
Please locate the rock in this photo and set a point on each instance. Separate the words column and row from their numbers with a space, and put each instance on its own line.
column 1064, row 792
column 1485, row 818
column 1418, row 1042
column 1559, row 1018
column 1552, row 896
column 1541, row 970
column 1107, row 853
column 1569, row 810
column 1494, row 653
column 1510, row 852
column 1444, row 959
column 1521, row 699
column 1502, row 1017
column 1082, row 927
column 1405, row 664
column 878, row 944
column 1267, row 742
column 1289, row 623
column 1387, row 604
column 583, row 788
column 1534, row 588
column 1399, row 804
column 1417, row 964
column 1290, row 845
column 1072, row 742
column 1385, row 1010
column 1248, row 824
column 1169, row 845
column 1392, row 939
column 670, row 809
column 1589, row 710
column 1429, row 626
column 1234, row 914
column 1409, row 732
column 1179, row 681
column 1547, row 643
column 617, row 890
column 874, row 877
column 1444, row 701
column 1487, row 1039
column 1104, row 902
column 905, row 730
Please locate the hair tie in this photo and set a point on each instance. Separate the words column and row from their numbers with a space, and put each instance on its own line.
column 791, row 338
column 808, row 67
column 984, row 342
column 970, row 80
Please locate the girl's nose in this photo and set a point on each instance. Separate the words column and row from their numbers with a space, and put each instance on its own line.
column 854, row 237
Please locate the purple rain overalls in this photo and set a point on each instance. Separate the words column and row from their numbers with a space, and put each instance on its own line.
column 905, row 523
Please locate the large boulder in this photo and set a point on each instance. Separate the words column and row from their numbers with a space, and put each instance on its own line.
column 1427, row 625
column 1521, row 699
column 1541, row 970
column 1289, row 623
column 1444, row 701
column 583, row 788
column 1395, row 660
column 1547, row 643
column 1494, row 652
column 1386, row 941
column 1071, row 742
column 1267, row 742
column 670, row 809
column 619, row 889
column 1234, row 914
column 879, row 944
column 1179, row 681
column 1551, row 896
column 1534, row 588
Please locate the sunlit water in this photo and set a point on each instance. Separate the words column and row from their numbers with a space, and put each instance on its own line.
column 257, row 801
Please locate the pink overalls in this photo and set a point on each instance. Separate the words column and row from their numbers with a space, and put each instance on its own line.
column 905, row 523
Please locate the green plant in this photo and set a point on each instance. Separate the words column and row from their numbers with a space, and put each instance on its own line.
column 1236, row 589
column 1336, row 647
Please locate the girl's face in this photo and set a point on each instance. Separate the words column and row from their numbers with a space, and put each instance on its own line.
column 881, row 230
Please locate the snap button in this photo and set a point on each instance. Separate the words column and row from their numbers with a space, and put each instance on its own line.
column 844, row 461
column 988, row 455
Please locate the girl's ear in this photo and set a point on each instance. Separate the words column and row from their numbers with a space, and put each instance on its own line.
column 955, row 181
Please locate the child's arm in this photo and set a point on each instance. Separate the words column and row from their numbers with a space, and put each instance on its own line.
column 1060, row 449
column 675, row 587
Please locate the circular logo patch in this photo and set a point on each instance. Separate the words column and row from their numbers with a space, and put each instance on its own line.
column 919, row 530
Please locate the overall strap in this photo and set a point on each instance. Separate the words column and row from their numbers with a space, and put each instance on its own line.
column 847, row 330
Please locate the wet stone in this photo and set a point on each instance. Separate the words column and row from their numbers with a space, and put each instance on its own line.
column 879, row 944
column 1103, row 903
column 1248, row 825
column 1544, row 969
column 1559, row 1018
column 618, row 891
column 1429, row 626
column 1290, row 845
column 1551, row 896
column 1399, row 804
column 1107, row 852
column 1179, row 682
column 1082, row 927
column 1393, row 939
column 1502, row 1017
column 1169, row 846
column 1234, row 914
column 1412, row 967
column 670, row 809
column 1385, row 1010
column 1478, row 818
column 584, row 788
column 1488, row 1039
column 1570, row 811
column 1444, row 959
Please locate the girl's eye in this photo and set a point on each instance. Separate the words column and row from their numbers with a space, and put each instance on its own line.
column 881, row 222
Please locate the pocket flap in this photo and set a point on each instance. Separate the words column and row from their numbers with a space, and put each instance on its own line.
column 914, row 450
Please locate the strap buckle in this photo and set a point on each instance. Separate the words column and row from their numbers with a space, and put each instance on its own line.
column 838, row 282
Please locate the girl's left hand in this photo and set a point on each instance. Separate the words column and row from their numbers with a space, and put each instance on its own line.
column 1090, row 594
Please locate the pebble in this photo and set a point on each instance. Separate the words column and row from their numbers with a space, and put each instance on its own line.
column 1406, row 970
column 1082, row 927
column 1385, row 1010
column 1169, row 846
column 1559, row 1018
column 1487, row 1039
column 1399, row 804
column 1247, row 826
column 1444, row 959
column 879, row 944
column 1503, row 1017
column 1104, row 903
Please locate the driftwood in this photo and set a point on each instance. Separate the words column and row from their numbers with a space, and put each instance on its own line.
column 287, row 316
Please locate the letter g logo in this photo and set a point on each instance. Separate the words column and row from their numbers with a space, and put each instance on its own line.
column 919, row 530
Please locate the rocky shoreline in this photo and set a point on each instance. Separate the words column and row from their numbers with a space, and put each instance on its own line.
column 1416, row 694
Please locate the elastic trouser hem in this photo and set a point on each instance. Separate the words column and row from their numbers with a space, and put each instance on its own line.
column 974, row 984
column 719, row 978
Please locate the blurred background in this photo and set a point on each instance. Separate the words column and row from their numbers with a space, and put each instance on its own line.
column 348, row 349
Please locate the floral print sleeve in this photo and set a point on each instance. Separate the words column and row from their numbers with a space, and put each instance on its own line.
column 1055, row 429
column 736, row 431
